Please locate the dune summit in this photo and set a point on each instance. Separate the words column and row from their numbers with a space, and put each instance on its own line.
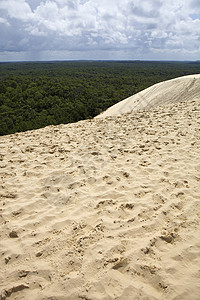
column 103, row 209
column 170, row 91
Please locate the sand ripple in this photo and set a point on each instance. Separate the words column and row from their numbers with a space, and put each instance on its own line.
column 103, row 209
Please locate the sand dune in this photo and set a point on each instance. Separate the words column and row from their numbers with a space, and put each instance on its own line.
column 171, row 91
column 103, row 209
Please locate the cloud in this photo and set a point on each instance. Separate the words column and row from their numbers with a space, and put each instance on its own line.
column 4, row 21
column 145, row 9
column 16, row 9
column 131, row 26
column 194, row 4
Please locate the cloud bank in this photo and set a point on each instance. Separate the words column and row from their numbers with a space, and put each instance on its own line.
column 100, row 29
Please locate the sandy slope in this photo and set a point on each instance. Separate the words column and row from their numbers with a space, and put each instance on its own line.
column 103, row 209
column 171, row 91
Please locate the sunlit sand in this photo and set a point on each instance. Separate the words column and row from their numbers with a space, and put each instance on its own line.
column 105, row 208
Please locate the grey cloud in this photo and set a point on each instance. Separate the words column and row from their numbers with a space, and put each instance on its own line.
column 147, row 9
column 195, row 4
column 10, row 39
column 73, row 4
column 146, row 26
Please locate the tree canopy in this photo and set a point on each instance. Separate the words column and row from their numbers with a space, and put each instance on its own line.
column 34, row 95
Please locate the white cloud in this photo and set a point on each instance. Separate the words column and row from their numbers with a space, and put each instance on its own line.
column 18, row 9
column 4, row 21
column 146, row 26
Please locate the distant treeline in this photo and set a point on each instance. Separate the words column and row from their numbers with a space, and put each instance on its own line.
column 34, row 95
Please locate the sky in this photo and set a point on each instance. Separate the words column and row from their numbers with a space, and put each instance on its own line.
column 38, row 30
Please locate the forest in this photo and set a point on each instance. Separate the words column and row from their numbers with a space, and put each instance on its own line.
column 37, row 94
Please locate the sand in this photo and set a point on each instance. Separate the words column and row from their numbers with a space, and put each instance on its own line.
column 171, row 91
column 103, row 209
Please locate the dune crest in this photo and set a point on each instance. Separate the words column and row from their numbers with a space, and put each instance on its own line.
column 170, row 91
column 103, row 209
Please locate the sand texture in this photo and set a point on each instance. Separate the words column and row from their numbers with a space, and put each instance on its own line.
column 103, row 209
column 171, row 91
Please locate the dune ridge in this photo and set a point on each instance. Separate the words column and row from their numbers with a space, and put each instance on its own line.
column 103, row 209
column 171, row 91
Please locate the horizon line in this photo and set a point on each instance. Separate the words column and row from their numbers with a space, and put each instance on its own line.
column 96, row 60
